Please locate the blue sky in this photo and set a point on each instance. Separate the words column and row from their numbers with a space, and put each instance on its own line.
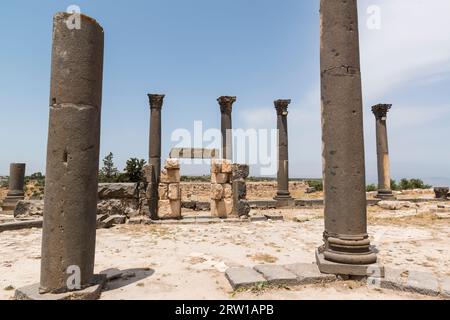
column 259, row 50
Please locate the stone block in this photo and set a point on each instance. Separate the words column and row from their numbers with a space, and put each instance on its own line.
column 425, row 283
column 227, row 191
column 240, row 171
column 274, row 216
column 163, row 191
column 308, row 273
column 169, row 209
column 228, row 206
column 219, row 209
column 445, row 287
column 240, row 189
column 170, row 176
column 216, row 166
column 176, row 153
column 116, row 190
column 210, row 153
column 220, row 178
column 242, row 208
column 329, row 267
column 244, row 277
column 276, row 274
column 172, row 164
column 227, row 167
column 197, row 153
column 174, row 191
column 394, row 279
column 217, row 192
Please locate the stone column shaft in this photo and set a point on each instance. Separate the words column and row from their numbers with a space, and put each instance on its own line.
column 346, row 239
column 226, row 108
column 16, row 180
column 283, row 150
column 384, row 177
column 71, row 187
column 156, row 103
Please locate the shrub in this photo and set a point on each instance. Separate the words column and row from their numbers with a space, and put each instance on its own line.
column 371, row 187
column 134, row 170
column 317, row 184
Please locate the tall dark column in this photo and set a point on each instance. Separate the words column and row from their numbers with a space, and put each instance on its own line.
column 384, row 176
column 346, row 239
column 156, row 103
column 226, row 108
column 283, row 193
column 71, row 186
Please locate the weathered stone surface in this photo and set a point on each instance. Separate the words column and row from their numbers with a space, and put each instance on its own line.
column 116, row 191
column 174, row 191
column 210, row 153
column 445, row 287
column 169, row 209
column 227, row 191
column 330, row 267
column 308, row 273
column 240, row 171
column 72, row 153
column 274, row 216
column 219, row 209
column 240, row 189
column 257, row 218
column 29, row 208
column 163, row 191
column 441, row 192
column 172, row 164
column 276, row 274
column 396, row 205
column 217, row 192
column 170, row 176
column 242, row 208
column 91, row 292
column 422, row 282
column 394, row 279
column 227, row 166
column 11, row 226
column 244, row 277
column 116, row 207
column 343, row 140
column 220, row 178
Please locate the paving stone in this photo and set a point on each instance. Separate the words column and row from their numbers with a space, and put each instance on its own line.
column 274, row 216
column 308, row 273
column 422, row 282
column 445, row 287
column 92, row 292
column 12, row 226
column 394, row 279
column 243, row 277
column 276, row 274
column 257, row 218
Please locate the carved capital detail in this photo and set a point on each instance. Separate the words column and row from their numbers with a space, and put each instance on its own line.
column 226, row 104
column 381, row 110
column 156, row 101
column 282, row 106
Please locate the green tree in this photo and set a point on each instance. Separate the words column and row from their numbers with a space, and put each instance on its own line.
column 394, row 185
column 371, row 188
column 108, row 173
column 134, row 170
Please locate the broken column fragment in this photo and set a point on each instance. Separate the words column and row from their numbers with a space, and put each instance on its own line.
column 346, row 242
column 69, row 231
column 241, row 207
column 16, row 186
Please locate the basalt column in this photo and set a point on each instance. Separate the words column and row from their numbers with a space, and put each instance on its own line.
column 68, row 244
column 16, row 185
column 226, row 108
column 156, row 103
column 283, row 195
column 346, row 239
column 384, row 177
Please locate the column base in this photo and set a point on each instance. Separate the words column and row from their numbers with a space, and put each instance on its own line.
column 10, row 202
column 385, row 195
column 360, row 270
column 284, row 200
column 91, row 292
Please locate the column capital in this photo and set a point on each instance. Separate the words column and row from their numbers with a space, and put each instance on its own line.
column 380, row 110
column 156, row 101
column 281, row 106
column 226, row 103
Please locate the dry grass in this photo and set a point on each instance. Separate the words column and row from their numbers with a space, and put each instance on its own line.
column 263, row 257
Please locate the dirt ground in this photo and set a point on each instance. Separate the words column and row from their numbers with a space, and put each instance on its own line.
column 188, row 261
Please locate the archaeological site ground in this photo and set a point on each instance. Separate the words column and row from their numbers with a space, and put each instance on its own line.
column 85, row 230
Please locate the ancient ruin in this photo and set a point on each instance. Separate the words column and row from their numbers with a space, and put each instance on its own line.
column 226, row 108
column 347, row 247
column 283, row 195
column 16, row 185
column 68, row 242
column 384, row 176
column 225, row 234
